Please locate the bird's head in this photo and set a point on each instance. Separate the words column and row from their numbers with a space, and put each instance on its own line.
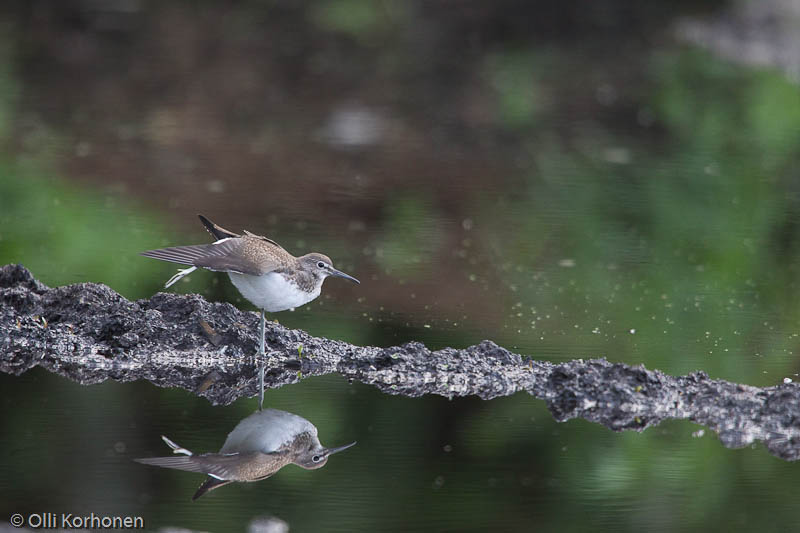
column 321, row 267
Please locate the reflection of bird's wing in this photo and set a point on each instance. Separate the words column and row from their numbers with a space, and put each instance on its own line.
column 226, row 467
column 232, row 254
column 209, row 484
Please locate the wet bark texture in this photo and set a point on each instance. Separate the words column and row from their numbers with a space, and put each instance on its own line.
column 89, row 333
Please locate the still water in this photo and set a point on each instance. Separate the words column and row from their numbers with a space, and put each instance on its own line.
column 464, row 464
column 628, row 198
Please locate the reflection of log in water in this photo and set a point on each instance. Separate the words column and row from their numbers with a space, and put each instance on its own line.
column 89, row 333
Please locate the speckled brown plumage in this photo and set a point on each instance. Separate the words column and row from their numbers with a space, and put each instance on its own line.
column 245, row 254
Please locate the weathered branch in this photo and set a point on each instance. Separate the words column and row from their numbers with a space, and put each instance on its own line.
column 89, row 333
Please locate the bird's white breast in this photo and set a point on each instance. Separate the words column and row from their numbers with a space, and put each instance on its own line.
column 266, row 431
column 272, row 291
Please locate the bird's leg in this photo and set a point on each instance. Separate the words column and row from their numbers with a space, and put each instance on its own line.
column 263, row 334
column 261, row 365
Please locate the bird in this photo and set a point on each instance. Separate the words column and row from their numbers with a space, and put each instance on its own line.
column 266, row 274
column 257, row 448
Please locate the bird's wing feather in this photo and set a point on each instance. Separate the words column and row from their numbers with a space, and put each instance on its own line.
column 226, row 255
column 209, row 484
column 231, row 466
column 265, row 239
column 221, row 233
column 187, row 463
column 216, row 230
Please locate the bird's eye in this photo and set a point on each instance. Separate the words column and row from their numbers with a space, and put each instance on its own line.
column 317, row 458
column 321, row 264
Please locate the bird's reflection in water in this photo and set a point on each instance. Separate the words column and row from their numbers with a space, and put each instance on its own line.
column 258, row 446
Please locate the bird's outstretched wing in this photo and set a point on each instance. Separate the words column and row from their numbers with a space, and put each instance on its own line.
column 217, row 231
column 226, row 467
column 221, row 233
column 231, row 254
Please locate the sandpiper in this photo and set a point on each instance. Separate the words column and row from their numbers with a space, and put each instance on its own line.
column 258, row 446
column 271, row 278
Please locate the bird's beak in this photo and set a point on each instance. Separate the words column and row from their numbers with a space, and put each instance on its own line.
column 331, row 451
column 340, row 274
